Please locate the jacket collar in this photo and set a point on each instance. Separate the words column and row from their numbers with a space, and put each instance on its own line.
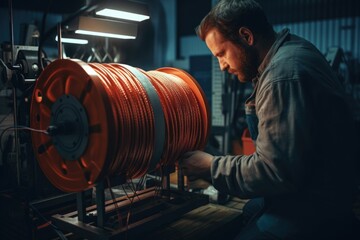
column 280, row 39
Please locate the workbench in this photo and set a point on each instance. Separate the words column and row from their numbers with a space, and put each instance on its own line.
column 210, row 222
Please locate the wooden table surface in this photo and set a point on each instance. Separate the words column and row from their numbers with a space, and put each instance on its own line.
column 209, row 222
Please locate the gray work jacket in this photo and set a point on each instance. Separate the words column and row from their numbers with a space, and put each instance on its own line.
column 304, row 144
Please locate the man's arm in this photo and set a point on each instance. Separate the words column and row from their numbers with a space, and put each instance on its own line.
column 278, row 164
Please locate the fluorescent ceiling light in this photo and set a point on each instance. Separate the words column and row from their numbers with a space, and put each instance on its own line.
column 124, row 9
column 122, row 15
column 103, row 34
column 72, row 40
column 104, row 28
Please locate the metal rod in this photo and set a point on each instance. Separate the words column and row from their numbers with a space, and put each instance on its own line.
column 60, row 50
column 16, row 138
column 180, row 179
column 16, row 135
column 100, row 204
column 11, row 31
column 165, row 182
column 81, row 206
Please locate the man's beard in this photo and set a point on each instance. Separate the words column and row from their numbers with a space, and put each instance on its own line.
column 250, row 64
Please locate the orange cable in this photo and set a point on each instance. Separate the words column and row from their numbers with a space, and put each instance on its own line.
column 182, row 118
column 129, row 128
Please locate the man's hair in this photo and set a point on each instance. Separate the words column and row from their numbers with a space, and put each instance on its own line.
column 229, row 15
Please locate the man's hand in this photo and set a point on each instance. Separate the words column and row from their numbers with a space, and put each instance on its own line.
column 196, row 165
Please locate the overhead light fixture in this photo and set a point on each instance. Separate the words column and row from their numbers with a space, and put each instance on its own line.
column 72, row 40
column 128, row 10
column 104, row 27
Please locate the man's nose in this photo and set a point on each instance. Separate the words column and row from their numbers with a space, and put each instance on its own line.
column 223, row 65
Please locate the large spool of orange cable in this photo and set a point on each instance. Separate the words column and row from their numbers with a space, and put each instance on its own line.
column 113, row 119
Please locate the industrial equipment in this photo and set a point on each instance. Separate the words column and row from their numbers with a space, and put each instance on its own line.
column 99, row 121
column 95, row 126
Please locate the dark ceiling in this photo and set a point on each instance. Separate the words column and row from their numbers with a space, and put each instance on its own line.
column 286, row 11
column 54, row 6
column 277, row 10
column 190, row 12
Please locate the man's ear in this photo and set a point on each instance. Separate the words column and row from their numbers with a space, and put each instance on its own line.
column 246, row 36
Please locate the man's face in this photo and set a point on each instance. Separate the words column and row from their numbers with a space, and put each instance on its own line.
column 240, row 60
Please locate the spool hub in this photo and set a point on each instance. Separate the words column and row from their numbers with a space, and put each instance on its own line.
column 71, row 128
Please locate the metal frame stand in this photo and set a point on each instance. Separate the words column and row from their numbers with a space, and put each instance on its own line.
column 130, row 216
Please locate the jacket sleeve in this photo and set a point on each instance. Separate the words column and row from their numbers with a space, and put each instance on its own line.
column 276, row 166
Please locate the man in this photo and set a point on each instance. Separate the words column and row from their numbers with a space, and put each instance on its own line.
column 301, row 177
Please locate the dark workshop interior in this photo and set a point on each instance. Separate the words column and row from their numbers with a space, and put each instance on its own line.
column 89, row 149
